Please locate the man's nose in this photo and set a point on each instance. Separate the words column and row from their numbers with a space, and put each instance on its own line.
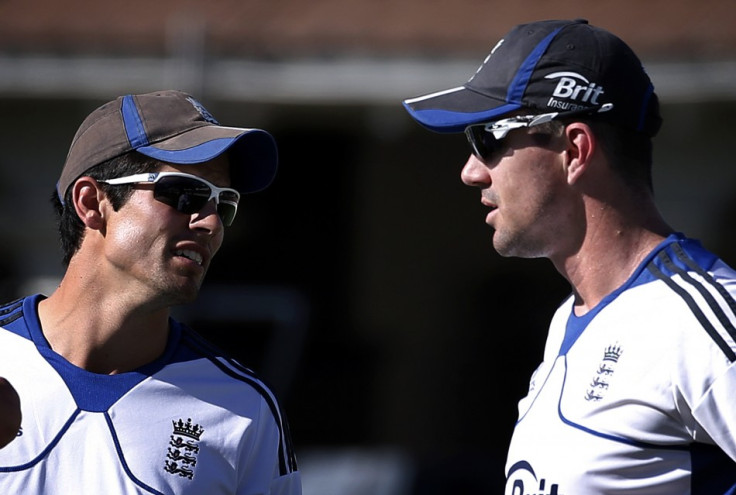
column 475, row 172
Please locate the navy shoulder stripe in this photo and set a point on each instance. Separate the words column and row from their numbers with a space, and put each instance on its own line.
column 8, row 313
column 232, row 368
column 722, row 322
column 727, row 298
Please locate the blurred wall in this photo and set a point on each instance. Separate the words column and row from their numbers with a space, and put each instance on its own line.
column 363, row 283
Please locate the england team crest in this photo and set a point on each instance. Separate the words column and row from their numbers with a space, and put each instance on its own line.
column 183, row 449
column 602, row 379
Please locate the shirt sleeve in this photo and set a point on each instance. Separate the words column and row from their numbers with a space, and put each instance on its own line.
column 716, row 411
column 262, row 470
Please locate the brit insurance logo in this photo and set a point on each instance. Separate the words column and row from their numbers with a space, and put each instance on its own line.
column 574, row 92
column 183, row 448
column 522, row 480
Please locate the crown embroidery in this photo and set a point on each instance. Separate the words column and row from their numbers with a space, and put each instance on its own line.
column 187, row 429
column 183, row 448
column 612, row 353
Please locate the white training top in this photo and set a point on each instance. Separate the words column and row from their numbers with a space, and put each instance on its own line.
column 192, row 422
column 638, row 396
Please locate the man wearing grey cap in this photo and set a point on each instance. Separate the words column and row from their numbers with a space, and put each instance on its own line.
column 116, row 396
column 635, row 391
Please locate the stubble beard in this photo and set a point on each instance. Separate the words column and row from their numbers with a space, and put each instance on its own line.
column 518, row 244
column 170, row 290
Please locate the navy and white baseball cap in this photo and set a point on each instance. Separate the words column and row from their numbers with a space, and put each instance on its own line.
column 548, row 66
column 170, row 126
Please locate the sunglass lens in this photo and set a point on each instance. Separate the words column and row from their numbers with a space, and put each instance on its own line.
column 185, row 195
column 189, row 196
column 227, row 206
column 226, row 211
column 484, row 144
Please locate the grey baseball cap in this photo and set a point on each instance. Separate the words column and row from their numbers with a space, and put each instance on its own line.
column 548, row 66
column 170, row 126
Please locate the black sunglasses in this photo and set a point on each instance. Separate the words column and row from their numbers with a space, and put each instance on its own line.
column 485, row 138
column 186, row 193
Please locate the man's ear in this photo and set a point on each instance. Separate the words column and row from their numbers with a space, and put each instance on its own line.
column 580, row 148
column 90, row 202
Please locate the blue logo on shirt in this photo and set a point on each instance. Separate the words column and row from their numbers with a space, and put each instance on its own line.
column 521, row 480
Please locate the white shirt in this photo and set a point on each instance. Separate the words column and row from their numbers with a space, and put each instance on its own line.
column 192, row 422
column 638, row 396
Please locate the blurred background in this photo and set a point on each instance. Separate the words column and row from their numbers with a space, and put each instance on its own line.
column 362, row 285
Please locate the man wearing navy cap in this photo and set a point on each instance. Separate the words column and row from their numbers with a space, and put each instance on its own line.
column 634, row 393
column 116, row 396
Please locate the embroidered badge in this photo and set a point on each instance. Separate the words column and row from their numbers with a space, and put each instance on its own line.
column 601, row 381
column 183, row 448
column 202, row 111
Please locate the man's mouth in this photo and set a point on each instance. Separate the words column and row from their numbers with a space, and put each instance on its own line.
column 490, row 205
column 191, row 255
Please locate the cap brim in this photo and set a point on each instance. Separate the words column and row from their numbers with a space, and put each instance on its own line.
column 253, row 153
column 454, row 109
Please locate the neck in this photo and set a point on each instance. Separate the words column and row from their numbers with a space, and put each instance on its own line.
column 101, row 330
column 613, row 246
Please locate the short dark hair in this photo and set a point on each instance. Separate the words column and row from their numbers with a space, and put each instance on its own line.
column 71, row 228
column 629, row 152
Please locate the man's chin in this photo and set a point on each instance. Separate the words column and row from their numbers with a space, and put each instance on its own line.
column 183, row 294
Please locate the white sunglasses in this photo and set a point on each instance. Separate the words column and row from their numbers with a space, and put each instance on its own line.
column 186, row 193
column 484, row 138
